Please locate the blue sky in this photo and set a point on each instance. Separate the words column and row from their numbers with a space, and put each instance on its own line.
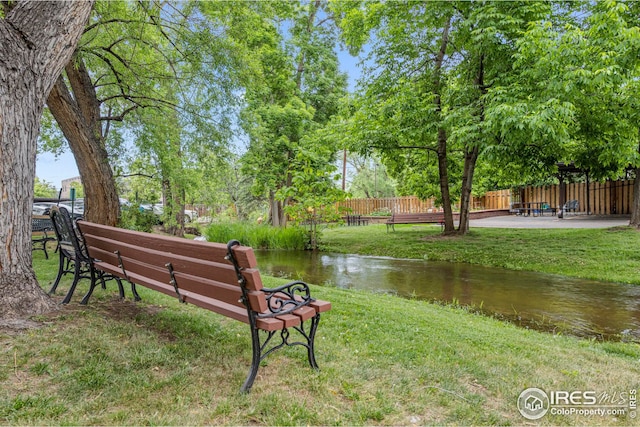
column 53, row 170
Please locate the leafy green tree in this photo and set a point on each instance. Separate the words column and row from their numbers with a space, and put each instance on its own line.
column 424, row 93
column 575, row 98
column 42, row 188
column 224, row 188
column 371, row 179
column 138, row 56
column 313, row 197
column 139, row 184
column 287, row 105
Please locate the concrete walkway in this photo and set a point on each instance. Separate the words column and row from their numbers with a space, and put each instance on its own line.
column 548, row 221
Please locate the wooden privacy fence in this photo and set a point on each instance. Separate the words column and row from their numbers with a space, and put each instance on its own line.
column 410, row 204
column 598, row 198
column 500, row 199
column 407, row 204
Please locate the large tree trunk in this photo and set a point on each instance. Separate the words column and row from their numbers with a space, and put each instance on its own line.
column 276, row 208
column 471, row 157
column 442, row 135
column 37, row 39
column 78, row 116
column 449, row 227
column 174, row 207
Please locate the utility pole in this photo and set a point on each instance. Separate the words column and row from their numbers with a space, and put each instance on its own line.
column 344, row 170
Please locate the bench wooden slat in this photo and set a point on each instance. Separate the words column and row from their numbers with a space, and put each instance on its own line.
column 320, row 306
column 237, row 312
column 230, row 293
column 305, row 313
column 415, row 218
column 208, row 251
column 289, row 320
column 104, row 249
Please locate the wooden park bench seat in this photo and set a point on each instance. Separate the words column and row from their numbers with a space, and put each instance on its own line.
column 415, row 218
column 222, row 278
column 41, row 233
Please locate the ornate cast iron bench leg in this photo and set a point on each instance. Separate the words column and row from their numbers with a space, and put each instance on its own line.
column 85, row 299
column 255, row 360
column 61, row 272
column 76, row 279
column 311, row 348
column 259, row 353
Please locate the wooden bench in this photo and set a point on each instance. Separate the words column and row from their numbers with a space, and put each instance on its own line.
column 218, row 277
column 415, row 218
column 41, row 233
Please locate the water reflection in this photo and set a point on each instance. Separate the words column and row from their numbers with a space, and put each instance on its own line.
column 544, row 301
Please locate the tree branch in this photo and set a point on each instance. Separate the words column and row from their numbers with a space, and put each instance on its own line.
column 136, row 174
column 404, row 147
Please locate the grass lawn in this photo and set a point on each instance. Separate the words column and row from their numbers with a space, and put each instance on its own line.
column 384, row 360
column 601, row 254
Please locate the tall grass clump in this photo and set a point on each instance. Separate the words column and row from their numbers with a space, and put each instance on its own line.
column 259, row 236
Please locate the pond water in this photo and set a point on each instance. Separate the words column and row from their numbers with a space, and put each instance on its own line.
column 548, row 302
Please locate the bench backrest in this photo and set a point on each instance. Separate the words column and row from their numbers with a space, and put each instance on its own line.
column 69, row 239
column 41, row 223
column 572, row 205
column 197, row 272
column 425, row 216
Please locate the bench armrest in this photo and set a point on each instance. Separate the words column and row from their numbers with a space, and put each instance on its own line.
column 286, row 298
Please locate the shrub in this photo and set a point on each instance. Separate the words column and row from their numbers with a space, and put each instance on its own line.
column 382, row 212
column 134, row 218
column 259, row 236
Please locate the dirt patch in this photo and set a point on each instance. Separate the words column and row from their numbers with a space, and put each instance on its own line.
column 126, row 310
column 15, row 326
column 619, row 228
column 117, row 309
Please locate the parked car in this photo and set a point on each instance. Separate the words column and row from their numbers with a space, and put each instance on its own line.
column 43, row 208
column 189, row 215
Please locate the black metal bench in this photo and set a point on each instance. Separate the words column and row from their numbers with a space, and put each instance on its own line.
column 415, row 218
column 74, row 258
column 356, row 220
column 571, row 205
column 548, row 208
column 41, row 233
column 218, row 277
